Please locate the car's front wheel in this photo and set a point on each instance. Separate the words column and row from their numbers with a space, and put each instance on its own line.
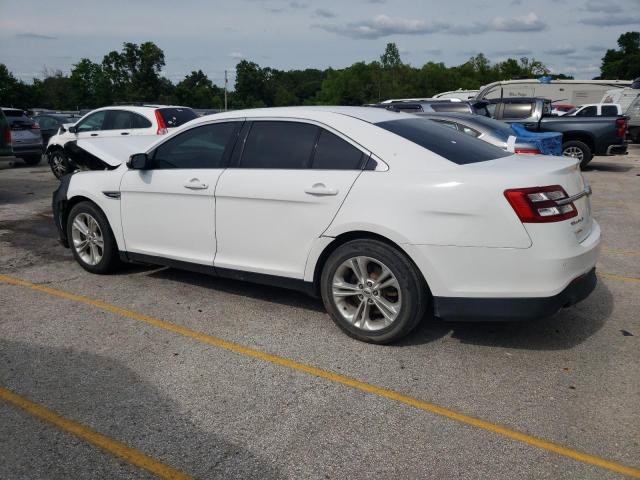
column 91, row 239
column 373, row 291
column 59, row 162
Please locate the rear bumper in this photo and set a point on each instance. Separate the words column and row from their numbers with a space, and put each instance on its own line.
column 617, row 149
column 27, row 150
column 514, row 309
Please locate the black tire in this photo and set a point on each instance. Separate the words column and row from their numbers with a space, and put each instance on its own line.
column 583, row 147
column 413, row 291
column 110, row 260
column 32, row 160
column 59, row 163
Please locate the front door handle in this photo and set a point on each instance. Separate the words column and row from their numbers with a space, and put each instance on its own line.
column 320, row 189
column 124, row 133
column 195, row 184
column 94, row 134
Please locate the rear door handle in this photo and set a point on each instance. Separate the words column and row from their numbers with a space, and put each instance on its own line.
column 195, row 184
column 124, row 133
column 94, row 134
column 320, row 189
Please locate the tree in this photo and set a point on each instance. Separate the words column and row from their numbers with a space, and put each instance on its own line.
column 90, row 87
column 623, row 63
column 391, row 57
column 197, row 91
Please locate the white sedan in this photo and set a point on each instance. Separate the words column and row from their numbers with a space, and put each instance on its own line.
column 388, row 217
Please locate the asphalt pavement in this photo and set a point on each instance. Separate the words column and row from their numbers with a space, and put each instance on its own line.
column 159, row 372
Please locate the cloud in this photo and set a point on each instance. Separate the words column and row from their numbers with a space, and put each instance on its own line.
column 433, row 51
column 599, row 6
column 36, row 36
column 323, row 12
column 385, row 25
column 236, row 55
column 612, row 20
column 297, row 5
column 561, row 50
column 596, row 48
column 521, row 50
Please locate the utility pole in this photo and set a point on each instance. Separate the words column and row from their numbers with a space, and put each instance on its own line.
column 226, row 80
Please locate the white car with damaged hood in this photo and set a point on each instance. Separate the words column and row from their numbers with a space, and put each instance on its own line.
column 388, row 217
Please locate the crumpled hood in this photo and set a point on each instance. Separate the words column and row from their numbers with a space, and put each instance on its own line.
column 107, row 152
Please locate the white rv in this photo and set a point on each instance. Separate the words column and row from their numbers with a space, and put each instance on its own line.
column 574, row 92
column 460, row 94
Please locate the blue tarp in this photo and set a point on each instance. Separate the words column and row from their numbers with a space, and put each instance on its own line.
column 549, row 143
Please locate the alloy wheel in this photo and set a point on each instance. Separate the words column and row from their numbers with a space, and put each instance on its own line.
column 367, row 293
column 87, row 237
column 573, row 152
column 58, row 165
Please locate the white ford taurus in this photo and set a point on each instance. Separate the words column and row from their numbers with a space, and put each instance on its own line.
column 386, row 216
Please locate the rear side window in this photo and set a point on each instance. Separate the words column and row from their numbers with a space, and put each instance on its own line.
column 446, row 142
column 200, row 147
column 406, row 108
column 609, row 111
column 517, row 110
column 174, row 117
column 333, row 153
column 287, row 145
column 591, row 111
column 123, row 120
column 451, row 107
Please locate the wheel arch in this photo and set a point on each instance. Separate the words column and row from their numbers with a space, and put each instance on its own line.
column 345, row 237
column 583, row 137
column 79, row 198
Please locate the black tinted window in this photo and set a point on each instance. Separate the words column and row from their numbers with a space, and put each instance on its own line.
column 174, row 117
column 588, row 112
column 609, row 111
column 450, row 144
column 451, row 107
column 517, row 110
column 200, row 147
column 406, row 108
column 279, row 145
column 333, row 153
column 123, row 120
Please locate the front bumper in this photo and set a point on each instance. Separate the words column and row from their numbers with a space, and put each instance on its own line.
column 514, row 309
column 59, row 206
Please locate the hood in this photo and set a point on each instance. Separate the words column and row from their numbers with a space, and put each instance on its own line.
column 107, row 152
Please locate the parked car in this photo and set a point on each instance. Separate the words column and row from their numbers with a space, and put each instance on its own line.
column 486, row 129
column 118, row 121
column 384, row 215
column 560, row 108
column 50, row 124
column 434, row 105
column 596, row 110
column 26, row 139
column 583, row 137
column 6, row 152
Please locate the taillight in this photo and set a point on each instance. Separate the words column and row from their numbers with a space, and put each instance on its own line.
column 527, row 151
column 541, row 204
column 7, row 135
column 162, row 128
column 35, row 126
column 621, row 127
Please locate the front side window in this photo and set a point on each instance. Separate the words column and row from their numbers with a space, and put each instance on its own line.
column 93, row 122
column 200, row 147
column 517, row 110
column 274, row 144
column 333, row 153
column 450, row 144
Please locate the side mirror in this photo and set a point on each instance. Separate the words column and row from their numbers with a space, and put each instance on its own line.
column 73, row 129
column 138, row 161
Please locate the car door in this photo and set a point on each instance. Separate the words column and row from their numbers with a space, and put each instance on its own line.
column 92, row 125
column 120, row 123
column 168, row 210
column 283, row 188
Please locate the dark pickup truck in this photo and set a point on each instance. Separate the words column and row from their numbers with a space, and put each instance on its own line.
column 582, row 137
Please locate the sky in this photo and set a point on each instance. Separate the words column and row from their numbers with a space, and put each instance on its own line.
column 569, row 36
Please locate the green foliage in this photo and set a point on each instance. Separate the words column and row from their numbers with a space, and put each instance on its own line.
column 623, row 63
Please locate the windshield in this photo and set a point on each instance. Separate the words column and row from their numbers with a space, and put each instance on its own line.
column 572, row 111
column 446, row 142
column 501, row 130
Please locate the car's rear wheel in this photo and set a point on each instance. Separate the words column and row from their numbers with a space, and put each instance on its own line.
column 91, row 239
column 373, row 291
column 33, row 160
column 59, row 162
column 578, row 150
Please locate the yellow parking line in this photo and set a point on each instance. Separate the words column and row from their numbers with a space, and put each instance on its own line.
column 334, row 377
column 622, row 278
column 112, row 446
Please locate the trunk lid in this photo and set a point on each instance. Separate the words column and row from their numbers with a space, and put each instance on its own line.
column 526, row 171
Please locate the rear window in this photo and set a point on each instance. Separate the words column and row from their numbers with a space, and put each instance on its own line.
column 609, row 111
column 13, row 112
column 451, row 107
column 174, row 117
column 446, row 142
